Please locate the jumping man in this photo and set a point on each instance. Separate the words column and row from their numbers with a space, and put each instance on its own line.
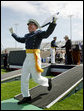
column 32, row 63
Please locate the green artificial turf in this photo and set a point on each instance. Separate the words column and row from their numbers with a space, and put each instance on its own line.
column 74, row 102
column 4, row 71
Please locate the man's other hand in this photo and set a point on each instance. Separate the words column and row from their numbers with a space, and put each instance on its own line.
column 11, row 30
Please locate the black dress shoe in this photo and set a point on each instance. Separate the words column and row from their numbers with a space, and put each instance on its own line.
column 25, row 100
column 50, row 84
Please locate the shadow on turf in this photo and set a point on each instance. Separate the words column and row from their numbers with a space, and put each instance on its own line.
column 38, row 97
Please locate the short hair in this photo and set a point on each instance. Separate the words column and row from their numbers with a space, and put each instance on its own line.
column 54, row 37
column 66, row 37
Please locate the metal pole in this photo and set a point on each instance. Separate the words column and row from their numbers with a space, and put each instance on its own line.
column 70, row 26
column 16, row 33
column 2, row 48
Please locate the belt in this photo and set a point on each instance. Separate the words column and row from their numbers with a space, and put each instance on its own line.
column 53, row 47
column 36, row 52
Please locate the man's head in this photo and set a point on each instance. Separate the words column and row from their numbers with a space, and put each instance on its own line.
column 33, row 25
column 5, row 51
column 66, row 37
column 54, row 38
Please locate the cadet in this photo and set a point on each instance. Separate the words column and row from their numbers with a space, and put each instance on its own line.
column 53, row 50
column 32, row 63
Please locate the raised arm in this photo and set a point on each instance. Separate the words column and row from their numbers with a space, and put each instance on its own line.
column 48, row 32
column 17, row 38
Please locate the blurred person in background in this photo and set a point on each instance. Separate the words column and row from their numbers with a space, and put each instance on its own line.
column 68, row 48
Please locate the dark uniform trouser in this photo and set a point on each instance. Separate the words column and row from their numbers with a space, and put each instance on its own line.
column 69, row 58
column 5, row 63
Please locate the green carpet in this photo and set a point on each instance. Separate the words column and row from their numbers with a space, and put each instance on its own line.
column 11, row 104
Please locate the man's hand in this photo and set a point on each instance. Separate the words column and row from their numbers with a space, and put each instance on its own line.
column 70, row 50
column 11, row 30
column 54, row 19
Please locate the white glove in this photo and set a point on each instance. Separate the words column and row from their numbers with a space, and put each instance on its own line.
column 11, row 30
column 54, row 19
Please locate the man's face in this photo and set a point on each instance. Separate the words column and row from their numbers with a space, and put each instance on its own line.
column 55, row 38
column 32, row 27
column 66, row 39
